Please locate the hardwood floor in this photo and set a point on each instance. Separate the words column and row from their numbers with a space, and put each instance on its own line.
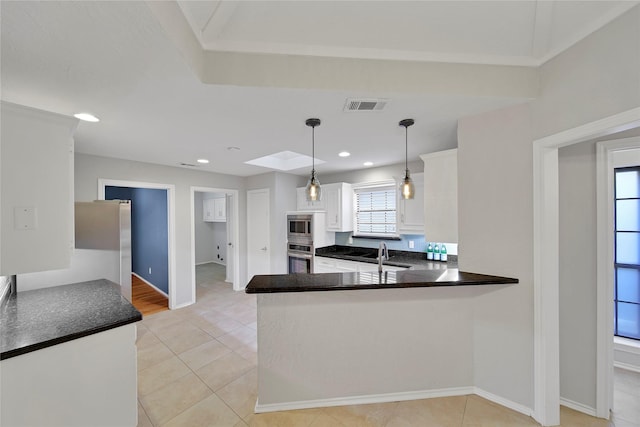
column 146, row 299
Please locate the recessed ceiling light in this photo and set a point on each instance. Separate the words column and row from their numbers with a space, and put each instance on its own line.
column 86, row 117
column 368, row 163
column 203, row 161
column 344, row 154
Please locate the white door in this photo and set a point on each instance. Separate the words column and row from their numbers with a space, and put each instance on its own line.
column 230, row 242
column 258, row 243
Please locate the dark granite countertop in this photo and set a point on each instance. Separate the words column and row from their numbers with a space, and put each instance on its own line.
column 33, row 320
column 414, row 260
column 299, row 282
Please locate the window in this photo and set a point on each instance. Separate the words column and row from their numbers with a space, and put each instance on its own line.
column 627, row 252
column 375, row 211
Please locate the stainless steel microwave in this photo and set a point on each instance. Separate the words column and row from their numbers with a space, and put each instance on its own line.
column 299, row 226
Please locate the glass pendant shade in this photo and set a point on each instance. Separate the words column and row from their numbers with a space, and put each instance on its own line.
column 313, row 191
column 407, row 188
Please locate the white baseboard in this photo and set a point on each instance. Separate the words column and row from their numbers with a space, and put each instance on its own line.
column 185, row 304
column 151, row 284
column 363, row 400
column 214, row 261
column 628, row 367
column 578, row 407
column 504, row 402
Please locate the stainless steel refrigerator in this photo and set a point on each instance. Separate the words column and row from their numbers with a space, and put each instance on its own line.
column 106, row 225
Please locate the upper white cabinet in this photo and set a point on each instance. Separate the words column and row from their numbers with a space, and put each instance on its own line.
column 302, row 204
column 411, row 211
column 214, row 210
column 36, row 192
column 441, row 196
column 339, row 204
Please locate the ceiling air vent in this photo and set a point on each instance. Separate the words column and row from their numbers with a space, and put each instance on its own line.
column 190, row 165
column 368, row 104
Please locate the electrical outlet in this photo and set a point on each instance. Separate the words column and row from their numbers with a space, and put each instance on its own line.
column 149, row 270
column 411, row 244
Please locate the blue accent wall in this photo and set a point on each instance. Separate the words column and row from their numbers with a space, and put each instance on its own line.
column 149, row 232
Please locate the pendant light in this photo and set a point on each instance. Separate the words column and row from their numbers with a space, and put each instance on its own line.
column 313, row 190
column 407, row 189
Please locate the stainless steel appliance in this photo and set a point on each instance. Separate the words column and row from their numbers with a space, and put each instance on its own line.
column 300, row 226
column 105, row 225
column 300, row 256
column 305, row 232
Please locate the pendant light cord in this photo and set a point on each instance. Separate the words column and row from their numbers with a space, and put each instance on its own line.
column 406, row 149
column 313, row 150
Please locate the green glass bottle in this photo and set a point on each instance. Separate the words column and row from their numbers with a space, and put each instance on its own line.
column 443, row 253
column 429, row 252
column 436, row 252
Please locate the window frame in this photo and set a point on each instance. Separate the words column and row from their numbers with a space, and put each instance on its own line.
column 372, row 186
column 619, row 265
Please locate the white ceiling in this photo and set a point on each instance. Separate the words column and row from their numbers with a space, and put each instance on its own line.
column 118, row 61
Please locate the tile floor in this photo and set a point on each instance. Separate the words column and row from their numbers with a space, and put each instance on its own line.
column 197, row 367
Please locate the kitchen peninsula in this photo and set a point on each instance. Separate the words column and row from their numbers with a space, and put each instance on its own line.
column 68, row 356
column 346, row 338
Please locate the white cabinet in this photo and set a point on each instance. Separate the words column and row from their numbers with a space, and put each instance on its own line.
column 324, row 265
column 214, row 210
column 411, row 211
column 36, row 190
column 302, row 204
column 339, row 205
column 441, row 196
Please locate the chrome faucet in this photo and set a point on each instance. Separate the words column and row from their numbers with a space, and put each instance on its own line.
column 383, row 254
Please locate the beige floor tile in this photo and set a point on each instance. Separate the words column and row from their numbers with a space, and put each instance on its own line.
column 481, row 412
column 187, row 340
column 299, row 418
column 241, row 337
column 161, row 374
column 376, row 414
column 152, row 354
column 248, row 354
column 324, row 420
column 241, row 394
column 171, row 400
column 161, row 320
column 445, row 412
column 145, row 338
column 623, row 423
column 223, row 371
column 143, row 419
column 241, row 423
column 203, row 354
column 627, row 381
column 175, row 329
column 210, row 412
column 221, row 327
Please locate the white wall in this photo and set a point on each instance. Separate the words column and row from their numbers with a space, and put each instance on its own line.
column 89, row 168
column 596, row 78
column 210, row 237
column 372, row 174
column 577, row 178
column 495, row 201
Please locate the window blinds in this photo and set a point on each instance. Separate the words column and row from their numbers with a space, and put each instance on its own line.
column 376, row 211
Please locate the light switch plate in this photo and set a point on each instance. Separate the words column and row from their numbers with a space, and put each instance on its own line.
column 25, row 218
column 411, row 244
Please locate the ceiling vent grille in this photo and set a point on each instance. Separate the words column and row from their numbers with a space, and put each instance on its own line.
column 368, row 104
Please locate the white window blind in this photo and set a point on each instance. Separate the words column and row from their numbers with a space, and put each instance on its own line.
column 376, row 211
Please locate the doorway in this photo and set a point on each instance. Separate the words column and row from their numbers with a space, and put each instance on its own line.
column 148, row 271
column 546, row 270
column 258, row 229
column 214, row 232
